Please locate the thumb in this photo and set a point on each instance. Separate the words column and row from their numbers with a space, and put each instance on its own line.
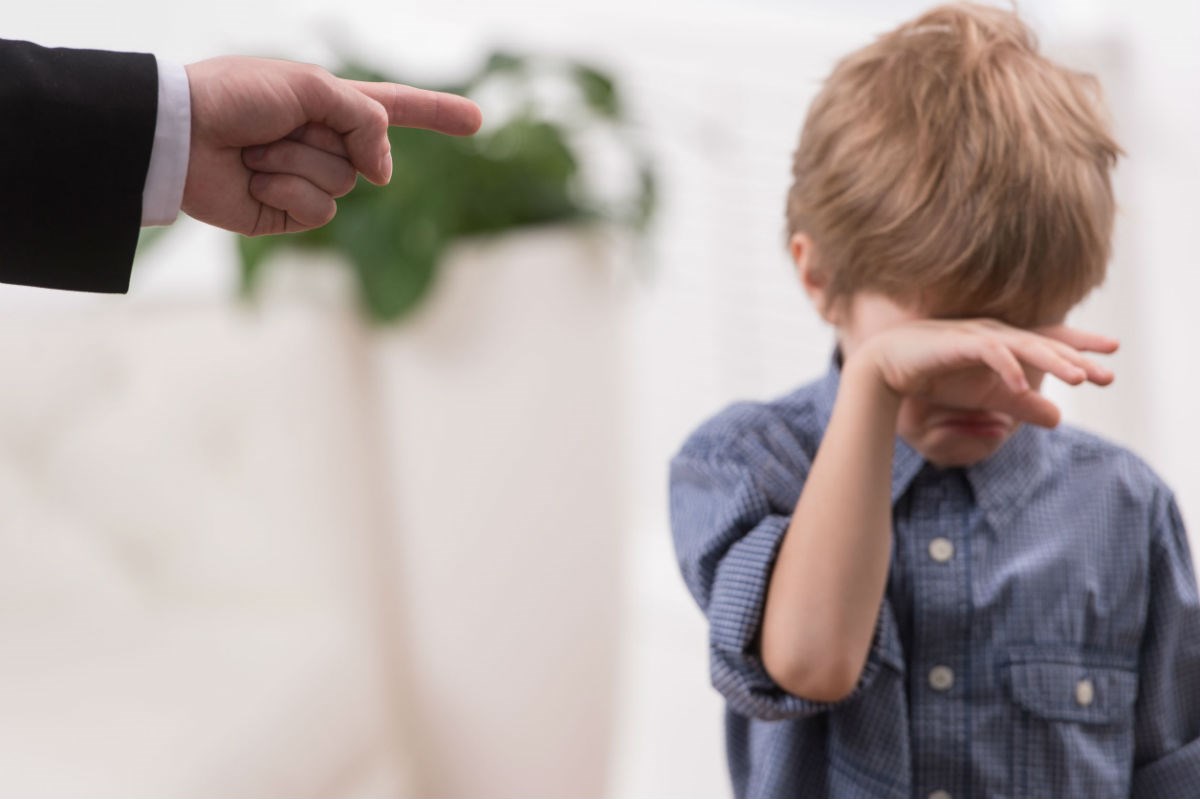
column 361, row 122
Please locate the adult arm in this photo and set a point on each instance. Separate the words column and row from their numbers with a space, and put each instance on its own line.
column 271, row 144
column 76, row 131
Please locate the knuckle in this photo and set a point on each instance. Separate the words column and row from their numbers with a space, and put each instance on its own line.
column 994, row 347
column 986, row 342
column 379, row 117
column 314, row 79
column 315, row 73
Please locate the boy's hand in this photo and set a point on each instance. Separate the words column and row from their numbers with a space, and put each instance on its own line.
column 983, row 364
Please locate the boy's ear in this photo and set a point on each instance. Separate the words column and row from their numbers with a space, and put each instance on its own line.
column 801, row 247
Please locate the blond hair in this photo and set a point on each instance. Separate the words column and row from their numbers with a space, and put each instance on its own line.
column 950, row 165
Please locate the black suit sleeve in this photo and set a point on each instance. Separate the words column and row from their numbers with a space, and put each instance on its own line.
column 76, row 129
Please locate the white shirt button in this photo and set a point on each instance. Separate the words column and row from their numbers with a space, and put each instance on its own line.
column 941, row 678
column 940, row 794
column 941, row 550
column 1085, row 692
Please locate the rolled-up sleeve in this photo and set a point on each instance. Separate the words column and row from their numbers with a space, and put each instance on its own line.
column 1167, row 726
column 727, row 524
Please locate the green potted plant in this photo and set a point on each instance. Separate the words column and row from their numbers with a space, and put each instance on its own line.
column 527, row 169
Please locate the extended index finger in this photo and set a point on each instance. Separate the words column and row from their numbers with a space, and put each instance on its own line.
column 410, row 107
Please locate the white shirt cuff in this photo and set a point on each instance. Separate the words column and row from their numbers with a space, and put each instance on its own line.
column 163, row 192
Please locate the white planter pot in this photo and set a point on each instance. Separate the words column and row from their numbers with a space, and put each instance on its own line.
column 502, row 409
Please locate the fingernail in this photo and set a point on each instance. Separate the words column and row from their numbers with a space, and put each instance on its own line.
column 387, row 166
column 256, row 153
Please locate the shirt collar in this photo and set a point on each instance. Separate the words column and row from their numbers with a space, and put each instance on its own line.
column 1000, row 483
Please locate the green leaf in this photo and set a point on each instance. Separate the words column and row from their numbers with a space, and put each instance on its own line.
column 392, row 289
column 503, row 61
column 598, row 90
column 497, row 63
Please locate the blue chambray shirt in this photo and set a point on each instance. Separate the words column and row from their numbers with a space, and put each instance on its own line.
column 1039, row 634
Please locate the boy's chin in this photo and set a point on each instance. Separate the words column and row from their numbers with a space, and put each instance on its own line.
column 947, row 448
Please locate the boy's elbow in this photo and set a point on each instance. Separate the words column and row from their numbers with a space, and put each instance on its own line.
column 814, row 679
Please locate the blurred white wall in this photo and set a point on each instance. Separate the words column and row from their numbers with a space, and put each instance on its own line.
column 720, row 89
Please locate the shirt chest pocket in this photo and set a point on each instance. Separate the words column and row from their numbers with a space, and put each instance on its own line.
column 1073, row 728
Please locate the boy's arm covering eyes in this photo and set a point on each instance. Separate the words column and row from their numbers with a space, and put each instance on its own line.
column 1167, row 731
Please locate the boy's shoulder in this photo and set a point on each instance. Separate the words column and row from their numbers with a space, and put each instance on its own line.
column 1091, row 459
column 795, row 419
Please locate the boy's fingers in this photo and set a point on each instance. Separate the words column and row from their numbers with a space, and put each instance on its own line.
column 1040, row 355
column 1096, row 373
column 1001, row 359
column 1080, row 339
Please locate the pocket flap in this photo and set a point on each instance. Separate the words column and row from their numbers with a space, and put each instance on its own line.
column 1072, row 691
